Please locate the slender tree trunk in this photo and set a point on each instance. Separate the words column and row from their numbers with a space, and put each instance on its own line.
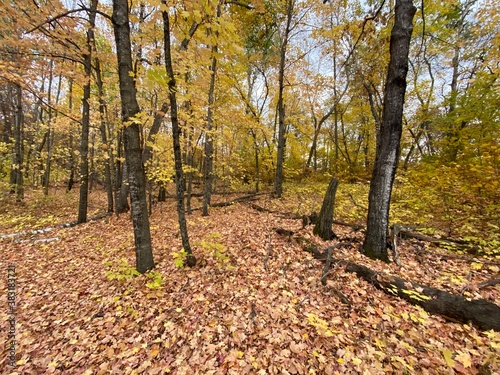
column 278, row 179
column 209, row 138
column 155, row 128
column 256, row 158
column 121, row 187
column 190, row 164
column 133, row 152
column 92, row 172
column 18, row 145
column 71, row 178
column 104, row 137
column 179, row 174
column 11, row 132
column 50, row 137
column 453, row 133
column 388, row 139
column 84, row 143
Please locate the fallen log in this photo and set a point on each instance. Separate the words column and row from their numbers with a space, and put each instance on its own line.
column 482, row 313
column 488, row 283
column 306, row 219
column 406, row 232
column 244, row 198
column 15, row 236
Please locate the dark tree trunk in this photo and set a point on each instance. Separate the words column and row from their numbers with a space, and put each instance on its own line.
column 179, row 174
column 133, row 152
column 388, row 139
column 278, row 179
column 121, row 188
column 104, row 136
column 84, row 145
column 16, row 175
column 71, row 177
column 323, row 227
column 162, row 194
column 18, row 145
column 209, row 138
column 155, row 128
column 50, row 136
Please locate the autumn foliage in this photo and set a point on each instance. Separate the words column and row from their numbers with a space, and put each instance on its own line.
column 242, row 112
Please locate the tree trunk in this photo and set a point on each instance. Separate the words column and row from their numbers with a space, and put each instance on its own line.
column 388, row 139
column 209, row 138
column 84, row 143
column 18, row 145
column 278, row 179
column 50, row 136
column 71, row 177
column 162, row 194
column 155, row 128
column 133, row 152
column 121, row 188
column 324, row 223
column 179, row 174
column 104, row 136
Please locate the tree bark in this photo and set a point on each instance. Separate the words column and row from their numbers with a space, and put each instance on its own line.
column 50, row 136
column 278, row 179
column 133, row 152
column 18, row 145
column 179, row 174
column 155, row 128
column 209, row 138
column 71, row 162
column 84, row 143
column 323, row 227
column 104, row 136
column 121, row 183
column 388, row 139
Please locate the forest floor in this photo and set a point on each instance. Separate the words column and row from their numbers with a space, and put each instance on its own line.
column 254, row 304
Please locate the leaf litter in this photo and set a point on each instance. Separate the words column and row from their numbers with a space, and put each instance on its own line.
column 254, row 304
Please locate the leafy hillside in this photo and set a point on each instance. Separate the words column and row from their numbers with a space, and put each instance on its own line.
column 254, row 304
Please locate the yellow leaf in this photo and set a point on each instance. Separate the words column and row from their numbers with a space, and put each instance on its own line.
column 154, row 353
column 464, row 359
column 340, row 360
column 356, row 361
column 448, row 357
column 477, row 266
